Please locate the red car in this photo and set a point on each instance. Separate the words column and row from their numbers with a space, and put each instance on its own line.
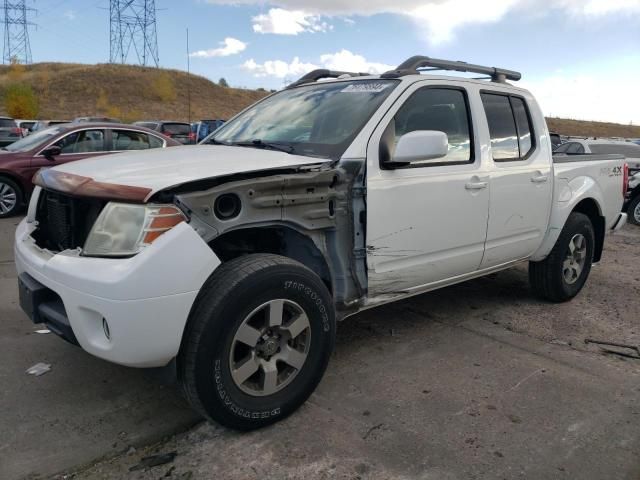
column 61, row 144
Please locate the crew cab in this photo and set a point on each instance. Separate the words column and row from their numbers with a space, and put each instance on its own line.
column 232, row 261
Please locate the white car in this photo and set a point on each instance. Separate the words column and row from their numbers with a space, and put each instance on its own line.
column 233, row 260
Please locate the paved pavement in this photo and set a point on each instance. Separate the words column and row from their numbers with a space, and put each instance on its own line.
column 83, row 409
column 473, row 381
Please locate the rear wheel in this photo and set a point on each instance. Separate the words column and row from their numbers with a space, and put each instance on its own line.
column 257, row 342
column 561, row 275
column 633, row 210
column 11, row 198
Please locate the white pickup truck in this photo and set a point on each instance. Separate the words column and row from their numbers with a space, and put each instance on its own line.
column 233, row 260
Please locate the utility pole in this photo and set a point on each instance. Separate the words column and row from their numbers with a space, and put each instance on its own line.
column 133, row 26
column 16, row 31
column 188, row 77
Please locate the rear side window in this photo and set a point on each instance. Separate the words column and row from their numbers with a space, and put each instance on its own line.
column 509, row 127
column 124, row 140
column 7, row 123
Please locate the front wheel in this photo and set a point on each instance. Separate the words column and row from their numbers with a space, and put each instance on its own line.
column 257, row 341
column 633, row 210
column 561, row 275
column 10, row 198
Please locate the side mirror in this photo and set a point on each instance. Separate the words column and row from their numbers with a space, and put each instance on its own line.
column 51, row 152
column 421, row 145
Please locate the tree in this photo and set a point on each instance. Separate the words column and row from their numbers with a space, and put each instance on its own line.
column 20, row 101
column 223, row 83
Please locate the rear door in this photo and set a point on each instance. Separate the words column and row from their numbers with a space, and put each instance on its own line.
column 426, row 222
column 521, row 183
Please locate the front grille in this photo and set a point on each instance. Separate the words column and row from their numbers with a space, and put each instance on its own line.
column 64, row 221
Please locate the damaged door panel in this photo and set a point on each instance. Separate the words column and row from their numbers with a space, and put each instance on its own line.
column 279, row 213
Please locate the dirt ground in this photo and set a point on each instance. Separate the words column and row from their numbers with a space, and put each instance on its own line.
column 475, row 381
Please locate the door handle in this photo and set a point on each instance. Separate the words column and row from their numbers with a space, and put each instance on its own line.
column 476, row 185
column 539, row 178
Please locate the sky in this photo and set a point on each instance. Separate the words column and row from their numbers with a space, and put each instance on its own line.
column 580, row 58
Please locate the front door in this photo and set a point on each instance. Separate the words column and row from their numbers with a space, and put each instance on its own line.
column 76, row 145
column 427, row 221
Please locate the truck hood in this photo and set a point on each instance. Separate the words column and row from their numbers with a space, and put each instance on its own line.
column 159, row 169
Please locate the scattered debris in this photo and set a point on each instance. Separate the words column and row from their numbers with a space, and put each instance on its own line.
column 38, row 369
column 375, row 427
column 602, row 344
column 43, row 331
column 154, row 461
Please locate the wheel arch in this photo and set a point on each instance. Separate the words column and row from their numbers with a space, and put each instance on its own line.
column 17, row 180
column 276, row 239
column 587, row 205
column 591, row 209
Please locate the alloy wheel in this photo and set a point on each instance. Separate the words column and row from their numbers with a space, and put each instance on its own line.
column 575, row 259
column 270, row 347
column 8, row 198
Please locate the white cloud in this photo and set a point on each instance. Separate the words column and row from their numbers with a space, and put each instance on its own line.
column 278, row 68
column 69, row 15
column 288, row 22
column 229, row 46
column 344, row 60
column 438, row 19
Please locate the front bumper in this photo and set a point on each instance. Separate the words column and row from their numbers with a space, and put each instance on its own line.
column 145, row 300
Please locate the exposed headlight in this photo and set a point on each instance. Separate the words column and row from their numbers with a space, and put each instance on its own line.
column 124, row 229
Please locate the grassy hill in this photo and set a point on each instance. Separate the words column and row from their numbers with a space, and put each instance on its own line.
column 129, row 92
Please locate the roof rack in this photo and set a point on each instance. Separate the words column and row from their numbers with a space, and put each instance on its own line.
column 321, row 73
column 412, row 66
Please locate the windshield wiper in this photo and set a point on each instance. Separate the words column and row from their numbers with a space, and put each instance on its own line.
column 257, row 143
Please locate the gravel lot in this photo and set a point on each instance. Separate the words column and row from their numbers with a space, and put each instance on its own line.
column 478, row 380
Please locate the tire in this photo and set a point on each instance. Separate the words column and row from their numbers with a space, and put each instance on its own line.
column 549, row 278
column 11, row 198
column 633, row 210
column 234, row 298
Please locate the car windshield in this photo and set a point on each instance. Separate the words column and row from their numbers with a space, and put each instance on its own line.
column 34, row 140
column 319, row 120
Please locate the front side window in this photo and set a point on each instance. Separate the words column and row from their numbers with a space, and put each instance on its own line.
column 441, row 109
column 124, row 140
column 319, row 120
column 84, row 141
column 509, row 126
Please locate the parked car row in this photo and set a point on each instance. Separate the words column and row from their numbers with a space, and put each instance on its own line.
column 184, row 132
column 60, row 144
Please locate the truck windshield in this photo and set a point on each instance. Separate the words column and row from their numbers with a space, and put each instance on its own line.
column 318, row 120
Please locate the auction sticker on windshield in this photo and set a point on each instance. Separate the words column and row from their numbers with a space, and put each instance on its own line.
column 375, row 87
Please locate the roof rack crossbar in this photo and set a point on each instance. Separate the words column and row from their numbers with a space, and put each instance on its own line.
column 321, row 73
column 412, row 66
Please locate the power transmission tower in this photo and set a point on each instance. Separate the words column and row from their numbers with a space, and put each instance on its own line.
column 133, row 24
column 16, row 31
